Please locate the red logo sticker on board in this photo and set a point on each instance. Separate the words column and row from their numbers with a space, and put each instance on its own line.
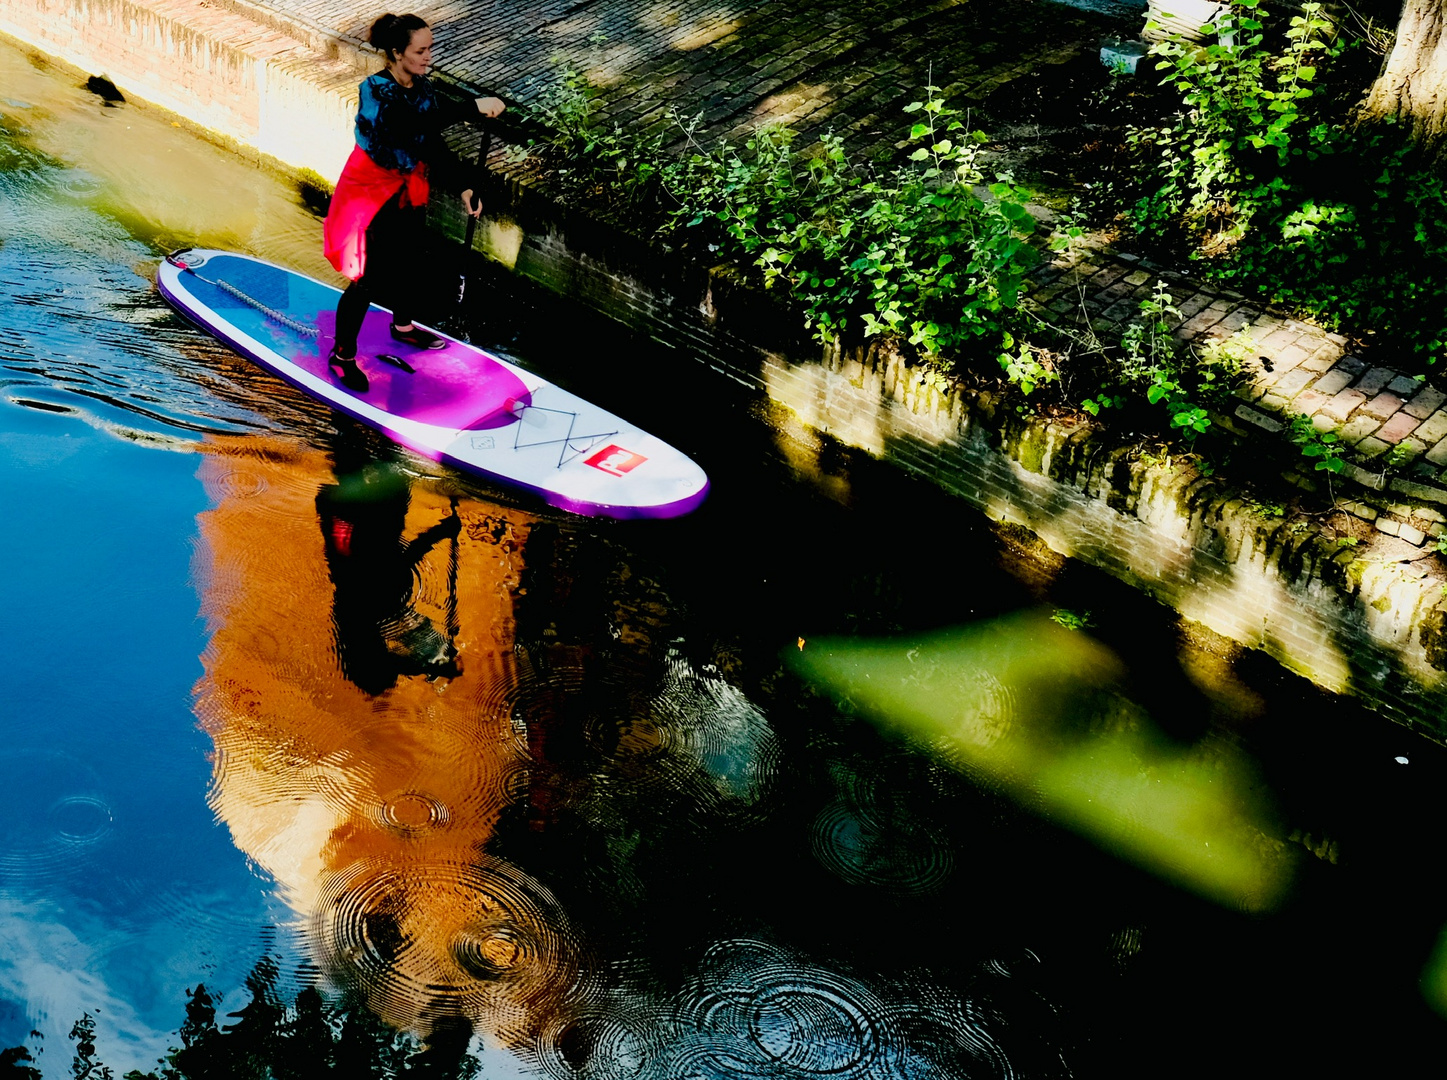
column 615, row 461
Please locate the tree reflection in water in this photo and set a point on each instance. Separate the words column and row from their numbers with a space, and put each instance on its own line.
column 271, row 1038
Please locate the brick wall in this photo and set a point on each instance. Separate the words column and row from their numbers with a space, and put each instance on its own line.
column 211, row 64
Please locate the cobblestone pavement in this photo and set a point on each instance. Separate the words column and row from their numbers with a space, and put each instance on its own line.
column 846, row 65
column 852, row 67
column 1393, row 426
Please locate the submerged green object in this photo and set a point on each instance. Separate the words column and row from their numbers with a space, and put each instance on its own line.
column 1029, row 707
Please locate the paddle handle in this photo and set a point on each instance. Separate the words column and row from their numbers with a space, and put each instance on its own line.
column 483, row 146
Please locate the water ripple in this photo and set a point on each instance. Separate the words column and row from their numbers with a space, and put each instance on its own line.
column 757, row 1010
column 602, row 1044
column 870, row 835
column 426, row 939
column 54, row 817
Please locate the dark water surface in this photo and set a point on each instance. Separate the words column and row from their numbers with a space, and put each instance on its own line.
column 415, row 775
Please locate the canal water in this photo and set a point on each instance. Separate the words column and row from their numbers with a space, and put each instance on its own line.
column 320, row 757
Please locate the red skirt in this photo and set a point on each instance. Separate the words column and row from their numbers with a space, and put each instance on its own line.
column 363, row 188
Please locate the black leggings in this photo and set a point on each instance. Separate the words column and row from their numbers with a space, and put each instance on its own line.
column 391, row 277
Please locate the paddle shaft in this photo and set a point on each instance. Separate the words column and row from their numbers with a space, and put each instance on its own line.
column 484, row 144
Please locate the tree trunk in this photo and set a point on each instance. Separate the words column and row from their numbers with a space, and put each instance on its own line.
column 1413, row 85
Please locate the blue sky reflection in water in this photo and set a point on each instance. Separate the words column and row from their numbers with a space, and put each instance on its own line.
column 613, row 830
column 115, row 893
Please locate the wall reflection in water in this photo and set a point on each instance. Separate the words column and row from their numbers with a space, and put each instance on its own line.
column 376, row 716
column 360, row 686
column 473, row 749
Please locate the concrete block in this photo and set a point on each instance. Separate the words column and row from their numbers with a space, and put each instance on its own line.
column 1426, row 492
column 1358, row 475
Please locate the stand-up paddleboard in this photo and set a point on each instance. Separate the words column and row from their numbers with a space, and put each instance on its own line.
column 458, row 404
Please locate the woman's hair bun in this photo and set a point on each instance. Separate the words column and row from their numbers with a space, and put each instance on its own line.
column 392, row 33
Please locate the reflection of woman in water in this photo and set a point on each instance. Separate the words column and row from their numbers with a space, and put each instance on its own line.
column 374, row 570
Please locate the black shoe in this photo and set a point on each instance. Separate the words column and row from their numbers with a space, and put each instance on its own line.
column 348, row 374
column 418, row 338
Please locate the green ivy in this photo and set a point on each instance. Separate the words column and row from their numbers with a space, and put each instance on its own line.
column 915, row 251
column 930, row 251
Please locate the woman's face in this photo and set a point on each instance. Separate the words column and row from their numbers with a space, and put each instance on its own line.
column 416, row 58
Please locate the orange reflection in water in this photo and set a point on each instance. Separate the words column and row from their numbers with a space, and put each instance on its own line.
column 358, row 761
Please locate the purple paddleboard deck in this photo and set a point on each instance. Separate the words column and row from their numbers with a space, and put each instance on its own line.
column 459, row 404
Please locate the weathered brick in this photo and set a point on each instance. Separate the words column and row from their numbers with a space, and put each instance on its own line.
column 1202, row 321
column 1196, row 303
column 1291, row 383
column 1434, row 427
column 1359, row 427
column 1375, row 380
column 1258, row 419
column 1427, row 401
column 1359, row 509
column 1371, row 447
column 1341, row 405
column 1397, row 427
column 1290, row 356
column 1383, row 405
column 1333, row 382
column 1326, row 351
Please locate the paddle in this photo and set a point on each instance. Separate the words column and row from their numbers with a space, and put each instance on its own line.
column 452, row 624
column 484, row 144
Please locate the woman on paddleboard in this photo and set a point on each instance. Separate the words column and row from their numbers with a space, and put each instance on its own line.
column 375, row 224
